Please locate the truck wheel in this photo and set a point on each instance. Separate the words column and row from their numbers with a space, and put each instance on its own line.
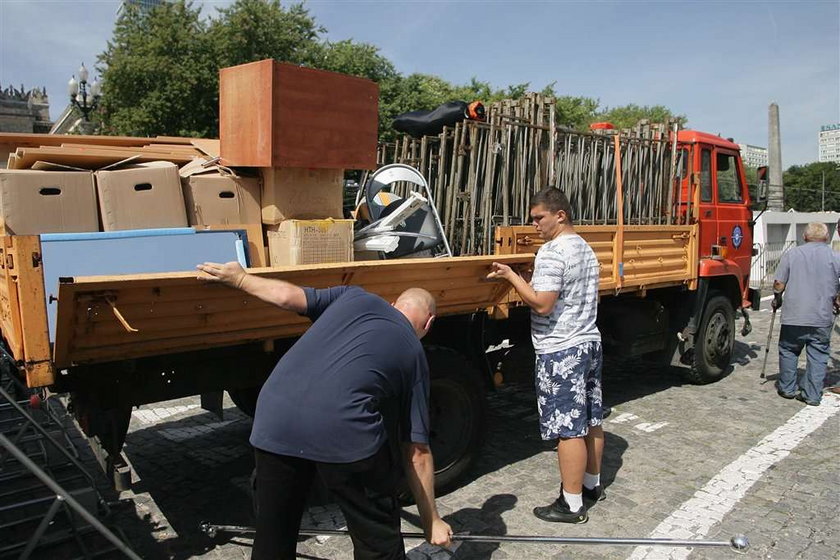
column 457, row 411
column 245, row 399
column 714, row 341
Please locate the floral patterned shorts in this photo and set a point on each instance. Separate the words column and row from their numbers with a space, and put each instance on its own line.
column 569, row 391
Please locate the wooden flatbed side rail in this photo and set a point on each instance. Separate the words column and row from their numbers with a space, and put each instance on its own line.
column 653, row 256
column 103, row 318
column 24, row 310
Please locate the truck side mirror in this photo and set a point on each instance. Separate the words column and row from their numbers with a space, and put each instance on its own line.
column 761, row 178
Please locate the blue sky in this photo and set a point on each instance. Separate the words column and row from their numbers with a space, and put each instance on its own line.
column 719, row 63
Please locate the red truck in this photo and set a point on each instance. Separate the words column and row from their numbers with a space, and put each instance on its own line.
column 675, row 270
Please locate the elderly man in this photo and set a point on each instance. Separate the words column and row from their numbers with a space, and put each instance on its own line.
column 327, row 409
column 808, row 276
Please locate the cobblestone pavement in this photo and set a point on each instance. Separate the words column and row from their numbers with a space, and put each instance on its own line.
column 681, row 461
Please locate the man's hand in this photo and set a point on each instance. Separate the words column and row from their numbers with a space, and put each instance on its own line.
column 499, row 270
column 441, row 534
column 230, row 274
column 837, row 304
column 777, row 300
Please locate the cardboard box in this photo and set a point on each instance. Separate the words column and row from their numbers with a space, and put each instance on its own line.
column 141, row 196
column 274, row 114
column 301, row 194
column 311, row 242
column 33, row 202
column 216, row 199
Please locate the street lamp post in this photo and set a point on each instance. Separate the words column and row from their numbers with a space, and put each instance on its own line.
column 85, row 97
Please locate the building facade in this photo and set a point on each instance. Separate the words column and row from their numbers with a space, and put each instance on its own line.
column 24, row 111
column 829, row 142
column 753, row 156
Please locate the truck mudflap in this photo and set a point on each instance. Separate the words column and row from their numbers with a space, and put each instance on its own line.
column 102, row 319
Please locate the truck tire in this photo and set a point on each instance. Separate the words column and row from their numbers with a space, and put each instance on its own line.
column 457, row 412
column 714, row 341
column 245, row 399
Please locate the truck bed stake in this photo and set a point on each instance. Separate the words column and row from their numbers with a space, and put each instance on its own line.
column 738, row 543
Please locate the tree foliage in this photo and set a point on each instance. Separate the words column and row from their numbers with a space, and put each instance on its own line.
column 160, row 70
column 158, row 73
column 251, row 30
column 803, row 187
column 627, row 116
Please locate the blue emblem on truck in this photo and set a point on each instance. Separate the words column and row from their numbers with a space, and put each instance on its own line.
column 737, row 236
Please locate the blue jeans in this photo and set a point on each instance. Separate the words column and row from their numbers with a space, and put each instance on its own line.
column 792, row 340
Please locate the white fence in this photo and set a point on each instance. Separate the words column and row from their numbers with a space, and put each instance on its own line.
column 764, row 264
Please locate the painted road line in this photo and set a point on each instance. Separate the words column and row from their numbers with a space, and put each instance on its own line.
column 695, row 518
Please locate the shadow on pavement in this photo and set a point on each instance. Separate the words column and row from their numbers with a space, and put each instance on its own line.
column 199, row 470
column 486, row 520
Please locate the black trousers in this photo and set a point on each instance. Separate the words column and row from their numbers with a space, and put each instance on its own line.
column 364, row 490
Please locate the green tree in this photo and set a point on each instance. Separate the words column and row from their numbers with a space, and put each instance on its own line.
column 157, row 73
column 803, row 187
column 575, row 112
column 627, row 116
column 251, row 30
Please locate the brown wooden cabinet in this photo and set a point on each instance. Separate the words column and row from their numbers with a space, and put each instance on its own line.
column 274, row 114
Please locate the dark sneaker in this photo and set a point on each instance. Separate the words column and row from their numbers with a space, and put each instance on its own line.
column 559, row 512
column 785, row 395
column 596, row 494
column 800, row 398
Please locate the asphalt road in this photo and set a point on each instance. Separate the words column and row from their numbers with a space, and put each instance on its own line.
column 681, row 462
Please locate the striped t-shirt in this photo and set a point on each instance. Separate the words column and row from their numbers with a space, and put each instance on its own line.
column 567, row 265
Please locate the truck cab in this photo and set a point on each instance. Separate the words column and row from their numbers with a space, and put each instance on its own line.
column 714, row 193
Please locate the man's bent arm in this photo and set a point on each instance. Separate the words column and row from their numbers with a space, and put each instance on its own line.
column 420, row 470
column 276, row 292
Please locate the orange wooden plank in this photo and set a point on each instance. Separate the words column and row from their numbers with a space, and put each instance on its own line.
column 9, row 304
column 91, row 334
column 29, row 275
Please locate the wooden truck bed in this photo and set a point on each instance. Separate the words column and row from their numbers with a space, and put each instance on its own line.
column 108, row 318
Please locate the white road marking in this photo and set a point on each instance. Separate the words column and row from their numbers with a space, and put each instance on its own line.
column 648, row 427
column 623, row 417
column 695, row 518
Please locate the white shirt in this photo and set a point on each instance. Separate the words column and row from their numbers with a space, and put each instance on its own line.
column 566, row 265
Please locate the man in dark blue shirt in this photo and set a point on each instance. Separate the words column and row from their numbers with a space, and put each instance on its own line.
column 324, row 408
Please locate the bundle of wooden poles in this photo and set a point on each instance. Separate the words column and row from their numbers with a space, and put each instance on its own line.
column 483, row 174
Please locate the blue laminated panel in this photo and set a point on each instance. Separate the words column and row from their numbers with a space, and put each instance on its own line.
column 143, row 251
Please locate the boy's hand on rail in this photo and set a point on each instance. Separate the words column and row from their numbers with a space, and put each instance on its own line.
column 499, row 270
column 230, row 274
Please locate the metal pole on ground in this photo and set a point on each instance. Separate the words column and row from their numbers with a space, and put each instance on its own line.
column 739, row 543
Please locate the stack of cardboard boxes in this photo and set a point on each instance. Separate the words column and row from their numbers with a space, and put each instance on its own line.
column 302, row 128
column 286, row 135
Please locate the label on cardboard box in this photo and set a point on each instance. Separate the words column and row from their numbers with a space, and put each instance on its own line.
column 34, row 202
column 311, row 242
column 142, row 196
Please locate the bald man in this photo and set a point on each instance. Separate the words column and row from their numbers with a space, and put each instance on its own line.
column 358, row 374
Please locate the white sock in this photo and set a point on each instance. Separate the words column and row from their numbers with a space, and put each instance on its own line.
column 575, row 501
column 591, row 480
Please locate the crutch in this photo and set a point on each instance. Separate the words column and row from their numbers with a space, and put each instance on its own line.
column 767, row 346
